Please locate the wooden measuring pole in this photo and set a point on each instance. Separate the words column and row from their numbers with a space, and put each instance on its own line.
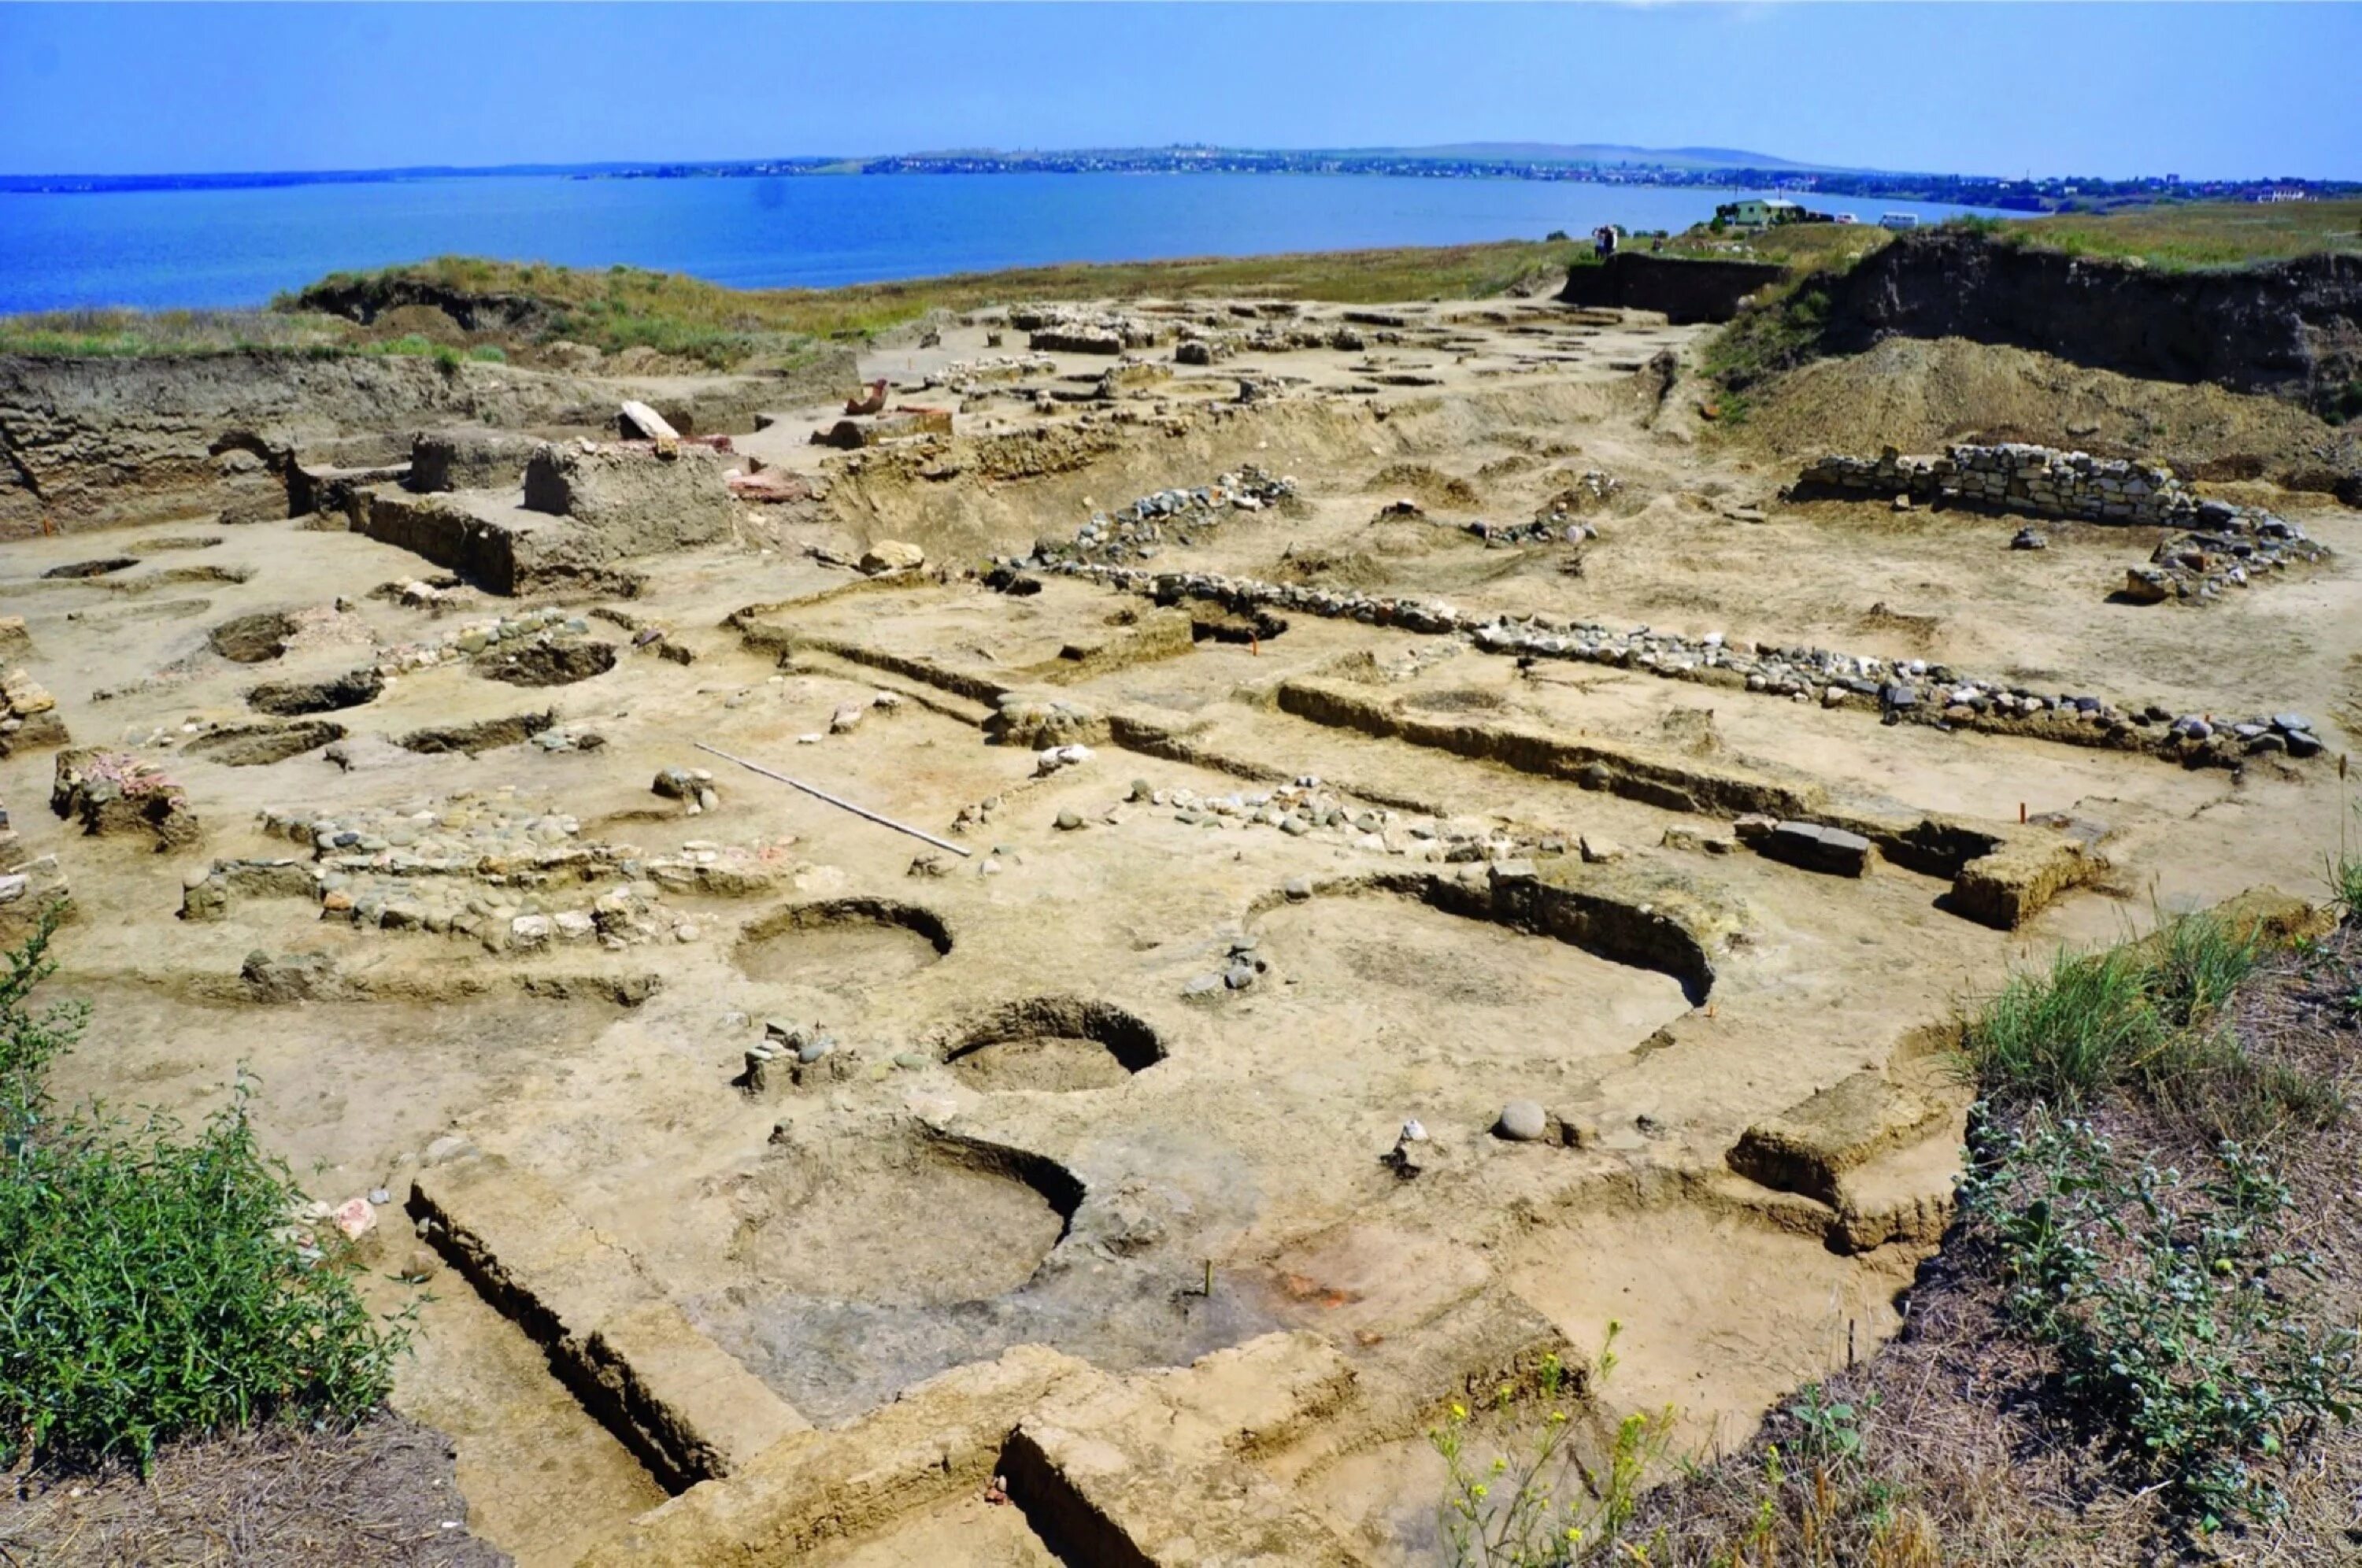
column 839, row 801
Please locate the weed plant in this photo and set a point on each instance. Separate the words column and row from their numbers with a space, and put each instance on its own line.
column 152, row 1284
column 2166, row 1300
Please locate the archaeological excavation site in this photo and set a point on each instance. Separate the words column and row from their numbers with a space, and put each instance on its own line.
column 1048, row 936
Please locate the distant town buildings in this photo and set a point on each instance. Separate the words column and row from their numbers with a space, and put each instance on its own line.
column 2050, row 193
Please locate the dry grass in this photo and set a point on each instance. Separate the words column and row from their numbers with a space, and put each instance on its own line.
column 685, row 318
column 1802, row 247
column 377, row 1496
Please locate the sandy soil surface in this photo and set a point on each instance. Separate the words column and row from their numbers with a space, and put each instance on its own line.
column 731, row 1139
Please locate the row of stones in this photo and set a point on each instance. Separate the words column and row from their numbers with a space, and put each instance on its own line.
column 2199, row 566
column 1909, row 690
column 466, row 641
column 2019, row 477
column 1310, row 809
column 509, row 877
column 1199, row 346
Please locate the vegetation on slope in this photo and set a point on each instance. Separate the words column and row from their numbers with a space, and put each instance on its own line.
column 2137, row 1345
column 119, row 334
column 679, row 317
column 623, row 307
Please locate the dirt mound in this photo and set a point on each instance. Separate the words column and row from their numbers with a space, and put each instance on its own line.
column 254, row 640
column 548, row 664
column 1918, row 395
column 1428, row 486
column 2284, row 328
column 290, row 698
column 1330, row 569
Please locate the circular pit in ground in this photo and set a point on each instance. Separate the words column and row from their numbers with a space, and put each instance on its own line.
column 910, row 1219
column 1053, row 1043
column 842, row 944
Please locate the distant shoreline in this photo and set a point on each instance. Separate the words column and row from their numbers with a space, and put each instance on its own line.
column 1629, row 167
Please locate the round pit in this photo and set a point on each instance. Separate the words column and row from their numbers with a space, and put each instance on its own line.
column 1408, row 976
column 910, row 1219
column 1053, row 1045
column 844, row 944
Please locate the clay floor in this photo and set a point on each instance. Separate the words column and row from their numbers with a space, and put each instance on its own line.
column 1054, row 1200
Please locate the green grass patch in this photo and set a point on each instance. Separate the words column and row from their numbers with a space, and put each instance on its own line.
column 2147, row 1017
column 167, row 334
column 154, row 1283
column 2345, row 883
column 2188, row 237
column 2062, row 1035
column 1780, row 333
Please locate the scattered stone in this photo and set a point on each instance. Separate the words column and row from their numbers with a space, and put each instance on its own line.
column 891, row 556
column 1522, row 1122
column 1183, row 517
column 1814, row 847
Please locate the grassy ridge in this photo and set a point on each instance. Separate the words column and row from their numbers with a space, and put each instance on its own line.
column 2217, row 234
column 619, row 308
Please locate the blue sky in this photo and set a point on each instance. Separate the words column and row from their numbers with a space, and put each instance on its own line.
column 2112, row 89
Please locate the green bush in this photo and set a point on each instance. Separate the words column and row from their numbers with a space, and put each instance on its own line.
column 409, row 345
column 153, row 1285
column 2165, row 1300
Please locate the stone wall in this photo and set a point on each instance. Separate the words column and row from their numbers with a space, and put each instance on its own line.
column 2225, row 547
column 2013, row 476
